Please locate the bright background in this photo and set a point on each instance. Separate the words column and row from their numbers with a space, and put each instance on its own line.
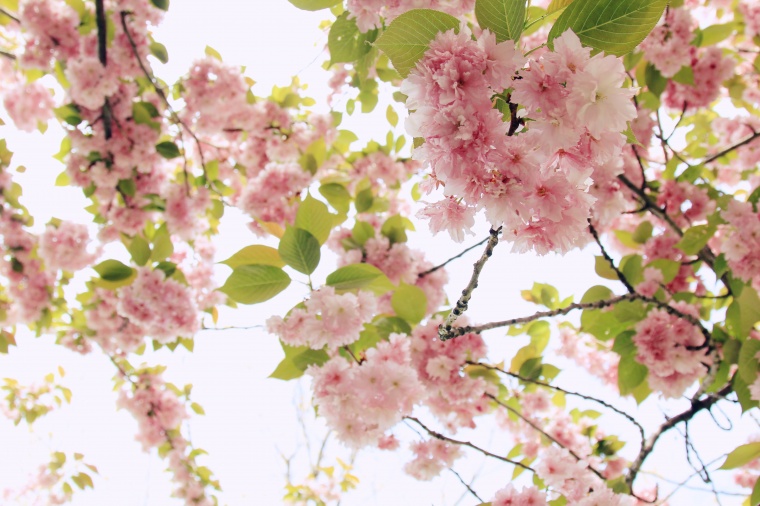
column 252, row 421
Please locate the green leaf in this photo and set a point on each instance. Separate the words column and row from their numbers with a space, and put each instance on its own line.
column 159, row 51
column 654, row 80
column 630, row 374
column 297, row 360
column 161, row 4
column 364, row 200
column 392, row 116
column 140, row 250
column 669, row 268
column 168, row 149
column 313, row 216
column 743, row 313
column 742, row 455
column 755, row 497
column 113, row 270
column 362, row 231
column 408, row 36
column 685, row 75
column 615, row 27
column 743, row 394
column 251, row 284
column 300, row 250
column 213, row 53
column 410, row 303
column 604, row 269
column 713, row 34
column 82, row 480
column 395, row 228
column 643, row 232
column 346, row 43
column 695, row 238
column 505, row 18
column 256, row 254
column 336, row 195
column 596, row 293
column 314, row 5
column 197, row 408
column 162, row 244
column 557, row 5
column 356, row 276
column 747, row 361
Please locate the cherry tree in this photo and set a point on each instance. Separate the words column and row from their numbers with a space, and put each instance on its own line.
column 627, row 129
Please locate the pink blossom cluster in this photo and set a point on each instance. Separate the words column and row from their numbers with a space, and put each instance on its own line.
column 510, row 496
column 162, row 306
column 65, row 247
column 588, row 353
column 185, row 214
column 733, row 131
column 536, row 183
column 369, row 14
column 159, row 414
column 156, row 409
column 710, row 68
column 151, row 305
column 327, row 319
column 672, row 348
column 362, row 401
column 686, row 203
column 29, row 285
column 431, row 456
column 454, row 398
column 741, row 240
column 751, row 12
column 379, row 167
column 573, row 479
column 668, row 47
column 28, row 105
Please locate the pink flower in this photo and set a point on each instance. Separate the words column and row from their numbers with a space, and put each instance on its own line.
column 454, row 217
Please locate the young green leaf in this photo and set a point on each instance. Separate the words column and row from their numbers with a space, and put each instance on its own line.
column 300, row 250
column 251, row 284
column 505, row 18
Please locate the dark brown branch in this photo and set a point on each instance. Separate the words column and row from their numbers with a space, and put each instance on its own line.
column 445, row 331
column 485, row 452
column 466, row 485
column 100, row 22
column 609, row 259
column 729, row 149
column 696, row 407
column 541, row 431
column 8, row 55
column 459, row 331
column 437, row 267
column 8, row 14
column 566, row 392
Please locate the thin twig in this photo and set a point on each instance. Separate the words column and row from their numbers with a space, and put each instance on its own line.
column 609, row 259
column 729, row 149
column 485, row 452
column 542, row 432
column 567, row 392
column 8, row 55
column 696, row 407
column 437, row 267
column 445, row 331
column 6, row 13
column 466, row 485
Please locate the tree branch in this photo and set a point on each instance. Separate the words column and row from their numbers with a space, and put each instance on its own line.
column 437, row 267
column 542, row 432
column 567, row 392
column 8, row 55
column 609, row 259
column 100, row 22
column 4, row 12
column 466, row 485
column 729, row 149
column 485, row 452
column 696, row 407
column 445, row 331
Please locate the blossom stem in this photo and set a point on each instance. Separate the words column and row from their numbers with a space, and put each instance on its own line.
column 731, row 148
column 445, row 331
column 466, row 485
column 485, row 452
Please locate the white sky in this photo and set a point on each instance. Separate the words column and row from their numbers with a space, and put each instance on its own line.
column 250, row 419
